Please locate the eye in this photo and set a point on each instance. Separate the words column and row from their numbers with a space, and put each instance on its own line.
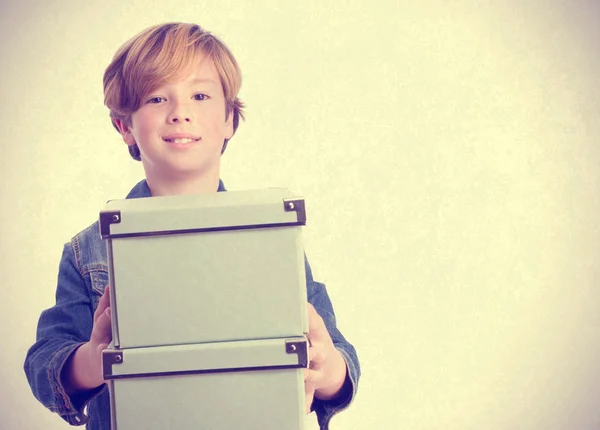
column 156, row 100
column 200, row 96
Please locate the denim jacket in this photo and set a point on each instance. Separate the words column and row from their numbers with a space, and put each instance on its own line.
column 82, row 276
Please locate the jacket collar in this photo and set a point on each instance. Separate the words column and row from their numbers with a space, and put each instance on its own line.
column 142, row 190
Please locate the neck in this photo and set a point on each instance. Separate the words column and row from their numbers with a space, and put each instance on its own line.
column 207, row 182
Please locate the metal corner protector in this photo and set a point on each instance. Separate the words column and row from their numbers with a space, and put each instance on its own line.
column 299, row 347
column 296, row 205
column 110, row 357
column 106, row 219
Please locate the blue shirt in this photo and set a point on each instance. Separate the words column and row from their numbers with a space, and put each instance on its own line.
column 82, row 277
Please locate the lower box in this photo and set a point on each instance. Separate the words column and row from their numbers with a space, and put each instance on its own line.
column 252, row 385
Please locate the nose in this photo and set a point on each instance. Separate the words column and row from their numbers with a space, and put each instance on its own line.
column 180, row 113
column 177, row 118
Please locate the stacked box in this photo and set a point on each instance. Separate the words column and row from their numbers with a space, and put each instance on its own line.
column 209, row 318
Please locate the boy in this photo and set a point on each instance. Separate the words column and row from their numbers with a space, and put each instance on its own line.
column 172, row 94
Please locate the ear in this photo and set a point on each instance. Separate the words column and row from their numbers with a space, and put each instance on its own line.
column 125, row 131
column 229, row 125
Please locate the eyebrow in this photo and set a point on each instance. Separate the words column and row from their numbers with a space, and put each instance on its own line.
column 201, row 81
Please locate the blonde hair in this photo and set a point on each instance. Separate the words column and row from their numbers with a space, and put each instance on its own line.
column 156, row 55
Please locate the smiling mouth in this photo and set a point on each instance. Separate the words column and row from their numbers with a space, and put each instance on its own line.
column 182, row 140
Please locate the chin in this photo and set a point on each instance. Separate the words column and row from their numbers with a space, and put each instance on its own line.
column 194, row 168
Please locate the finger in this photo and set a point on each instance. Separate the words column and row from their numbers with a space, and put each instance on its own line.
column 308, row 387
column 309, row 391
column 316, row 326
column 312, row 377
column 101, row 331
column 316, row 357
column 99, row 350
column 103, row 303
column 101, row 347
column 309, row 401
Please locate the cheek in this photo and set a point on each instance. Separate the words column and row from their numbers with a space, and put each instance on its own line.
column 145, row 125
column 216, row 124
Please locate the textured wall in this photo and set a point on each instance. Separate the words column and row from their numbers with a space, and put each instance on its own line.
column 450, row 162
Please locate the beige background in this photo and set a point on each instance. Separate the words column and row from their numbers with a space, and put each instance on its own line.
column 449, row 159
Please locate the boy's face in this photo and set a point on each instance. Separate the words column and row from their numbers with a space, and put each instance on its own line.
column 180, row 127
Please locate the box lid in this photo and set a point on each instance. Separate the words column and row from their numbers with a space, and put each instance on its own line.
column 228, row 210
column 262, row 354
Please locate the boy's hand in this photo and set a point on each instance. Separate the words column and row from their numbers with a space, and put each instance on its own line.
column 309, row 390
column 83, row 371
column 327, row 371
column 101, row 331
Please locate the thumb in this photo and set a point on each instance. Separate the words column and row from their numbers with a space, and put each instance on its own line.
column 101, row 331
column 316, row 325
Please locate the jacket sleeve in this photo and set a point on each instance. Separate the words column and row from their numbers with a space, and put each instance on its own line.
column 318, row 297
column 61, row 329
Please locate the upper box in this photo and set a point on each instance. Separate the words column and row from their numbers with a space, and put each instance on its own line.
column 206, row 268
